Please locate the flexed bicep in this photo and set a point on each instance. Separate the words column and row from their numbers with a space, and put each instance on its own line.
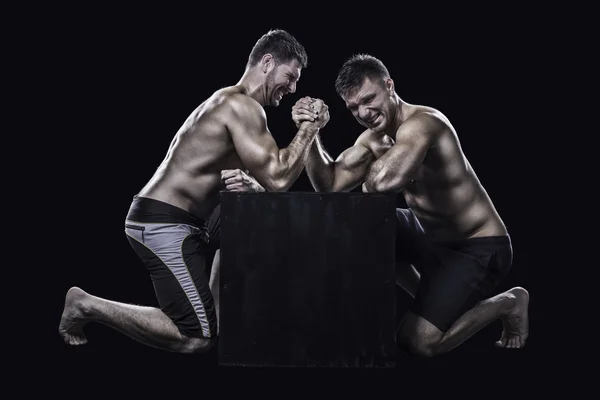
column 413, row 139
column 351, row 168
column 255, row 145
column 274, row 168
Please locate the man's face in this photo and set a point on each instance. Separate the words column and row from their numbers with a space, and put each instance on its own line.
column 371, row 103
column 282, row 80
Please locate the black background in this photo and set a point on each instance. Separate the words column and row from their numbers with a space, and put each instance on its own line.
column 121, row 82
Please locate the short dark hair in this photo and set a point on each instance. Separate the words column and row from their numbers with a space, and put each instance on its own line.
column 355, row 69
column 282, row 45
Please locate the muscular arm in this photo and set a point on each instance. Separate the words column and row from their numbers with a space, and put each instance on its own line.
column 341, row 175
column 393, row 170
column 275, row 169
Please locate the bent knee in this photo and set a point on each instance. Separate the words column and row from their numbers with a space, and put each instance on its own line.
column 420, row 347
column 191, row 345
column 418, row 337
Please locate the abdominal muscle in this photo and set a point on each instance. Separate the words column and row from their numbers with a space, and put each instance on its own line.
column 452, row 211
column 196, row 194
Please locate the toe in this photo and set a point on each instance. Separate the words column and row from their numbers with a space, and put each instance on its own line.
column 502, row 341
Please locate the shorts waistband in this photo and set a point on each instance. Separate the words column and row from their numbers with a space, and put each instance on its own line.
column 478, row 241
column 144, row 209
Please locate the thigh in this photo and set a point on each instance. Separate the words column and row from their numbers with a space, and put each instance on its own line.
column 213, row 228
column 174, row 258
column 409, row 236
column 198, row 290
column 213, row 233
column 408, row 278
column 495, row 262
column 449, row 285
column 455, row 279
column 443, row 296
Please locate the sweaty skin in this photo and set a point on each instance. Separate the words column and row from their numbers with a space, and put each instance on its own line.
column 428, row 167
column 227, row 131
column 414, row 150
column 420, row 157
column 223, row 137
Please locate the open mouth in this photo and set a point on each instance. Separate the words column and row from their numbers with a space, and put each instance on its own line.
column 373, row 120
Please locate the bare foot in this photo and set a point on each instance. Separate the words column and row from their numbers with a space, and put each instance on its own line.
column 516, row 323
column 73, row 319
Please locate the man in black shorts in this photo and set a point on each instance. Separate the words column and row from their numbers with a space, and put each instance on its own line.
column 166, row 222
column 453, row 248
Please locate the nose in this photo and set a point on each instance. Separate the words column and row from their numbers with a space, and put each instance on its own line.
column 292, row 87
column 363, row 113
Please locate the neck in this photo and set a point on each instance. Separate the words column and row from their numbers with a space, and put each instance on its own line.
column 254, row 85
column 400, row 116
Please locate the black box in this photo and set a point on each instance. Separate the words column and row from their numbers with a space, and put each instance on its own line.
column 307, row 280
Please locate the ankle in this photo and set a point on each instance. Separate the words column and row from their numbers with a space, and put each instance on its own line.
column 84, row 304
column 508, row 301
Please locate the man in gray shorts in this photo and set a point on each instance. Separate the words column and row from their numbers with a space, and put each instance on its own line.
column 166, row 223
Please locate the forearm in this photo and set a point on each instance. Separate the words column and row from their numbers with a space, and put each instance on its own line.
column 383, row 177
column 374, row 171
column 254, row 186
column 292, row 159
column 320, row 167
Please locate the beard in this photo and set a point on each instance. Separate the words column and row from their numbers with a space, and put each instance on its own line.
column 269, row 88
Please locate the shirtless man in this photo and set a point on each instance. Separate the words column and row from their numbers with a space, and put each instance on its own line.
column 166, row 223
column 452, row 246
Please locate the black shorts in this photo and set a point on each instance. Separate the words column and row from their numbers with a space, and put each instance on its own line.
column 213, row 230
column 172, row 244
column 454, row 276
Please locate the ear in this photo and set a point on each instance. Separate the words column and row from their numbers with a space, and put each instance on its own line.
column 389, row 84
column 267, row 63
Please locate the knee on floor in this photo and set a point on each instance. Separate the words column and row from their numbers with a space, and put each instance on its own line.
column 418, row 345
column 191, row 345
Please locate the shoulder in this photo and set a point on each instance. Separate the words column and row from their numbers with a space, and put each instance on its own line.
column 243, row 105
column 233, row 103
column 424, row 121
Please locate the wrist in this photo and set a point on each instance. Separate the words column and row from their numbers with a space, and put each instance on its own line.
column 309, row 127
